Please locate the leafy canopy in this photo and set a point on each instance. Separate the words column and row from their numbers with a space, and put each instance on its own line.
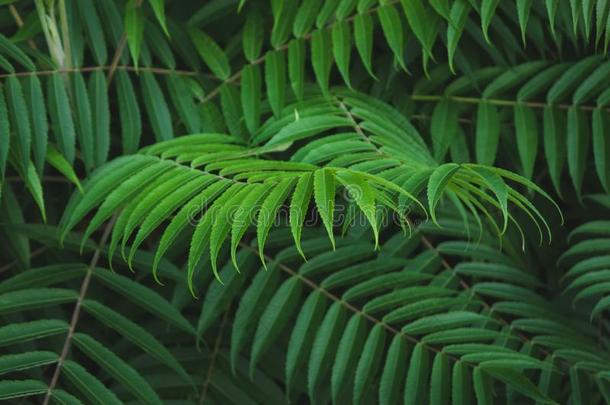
column 338, row 201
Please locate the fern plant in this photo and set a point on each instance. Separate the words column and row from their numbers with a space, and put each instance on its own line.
column 304, row 201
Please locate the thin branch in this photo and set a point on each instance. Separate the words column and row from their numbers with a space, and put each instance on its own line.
column 501, row 102
column 128, row 68
column 76, row 313
column 119, row 52
column 208, row 377
column 19, row 22
column 35, row 253
column 56, row 179
column 116, row 58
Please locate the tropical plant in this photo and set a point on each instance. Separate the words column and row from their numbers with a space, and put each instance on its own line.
column 305, row 201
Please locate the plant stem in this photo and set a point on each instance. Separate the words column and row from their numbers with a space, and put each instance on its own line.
column 76, row 313
column 500, row 102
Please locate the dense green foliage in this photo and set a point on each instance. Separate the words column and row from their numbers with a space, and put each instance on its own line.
column 305, row 201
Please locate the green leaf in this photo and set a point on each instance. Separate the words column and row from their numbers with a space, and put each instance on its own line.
column 391, row 24
column 487, row 133
column 201, row 235
column 483, row 388
column 32, row 183
column 324, row 196
column 56, row 160
column 251, row 306
column 117, row 368
column 129, row 113
column 253, row 35
column 187, row 109
column 577, row 146
column 244, row 214
column 305, row 17
column 305, row 127
column 84, row 120
column 324, row 346
column 423, row 22
column 417, row 376
column 5, row 133
column 296, row 66
column 29, row 299
column 551, row 8
column 63, row 398
column 61, row 117
column 439, row 180
column 443, row 127
column 457, row 21
column 231, row 109
column 93, row 27
column 211, row 54
column 601, row 14
column 326, row 12
column 344, row 362
column 23, row 361
column 251, row 96
column 268, row 211
column 344, row 9
column 156, row 107
column 88, row 385
column 393, row 371
column 498, row 187
column 441, row 7
column 363, row 37
column 221, row 224
column 461, row 386
column 601, row 147
column 25, row 331
column 42, row 277
column 369, row 362
column 101, row 115
column 278, row 312
column 527, row 138
column 554, row 143
column 488, row 10
column 322, row 57
column 302, row 335
column 158, row 7
column 38, row 115
column 342, row 48
column 20, row 118
column 364, row 195
column 576, row 8
column 283, row 23
column 12, row 389
column 440, row 380
column 453, row 319
column 275, row 79
column 523, row 12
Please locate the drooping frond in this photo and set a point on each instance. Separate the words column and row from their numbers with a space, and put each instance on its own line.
column 218, row 186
